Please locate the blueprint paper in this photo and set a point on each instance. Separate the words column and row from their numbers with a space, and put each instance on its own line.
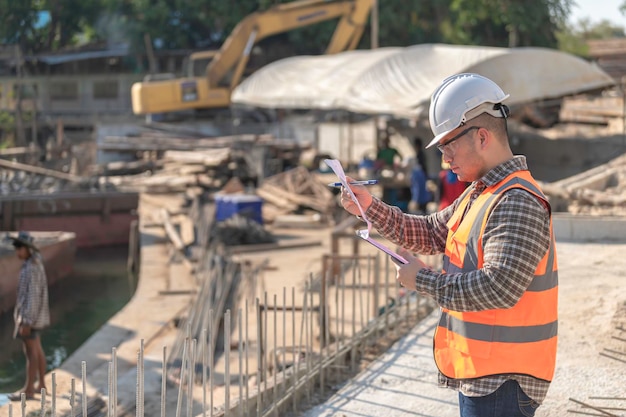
column 335, row 165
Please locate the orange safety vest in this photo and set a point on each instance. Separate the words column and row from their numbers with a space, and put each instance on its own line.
column 517, row 340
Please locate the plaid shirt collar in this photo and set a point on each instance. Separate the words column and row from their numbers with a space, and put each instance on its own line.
column 497, row 174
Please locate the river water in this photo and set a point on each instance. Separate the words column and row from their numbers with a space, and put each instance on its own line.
column 80, row 304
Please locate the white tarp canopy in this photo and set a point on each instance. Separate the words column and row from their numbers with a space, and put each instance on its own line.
column 400, row 81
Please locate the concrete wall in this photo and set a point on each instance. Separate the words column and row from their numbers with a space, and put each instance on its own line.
column 583, row 228
column 554, row 159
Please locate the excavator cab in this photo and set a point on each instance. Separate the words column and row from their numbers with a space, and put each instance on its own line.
column 198, row 62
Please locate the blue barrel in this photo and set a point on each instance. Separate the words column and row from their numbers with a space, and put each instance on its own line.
column 246, row 205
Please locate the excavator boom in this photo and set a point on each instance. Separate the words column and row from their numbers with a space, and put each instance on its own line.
column 225, row 70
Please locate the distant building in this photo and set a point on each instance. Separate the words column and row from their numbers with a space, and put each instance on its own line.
column 610, row 55
column 78, row 86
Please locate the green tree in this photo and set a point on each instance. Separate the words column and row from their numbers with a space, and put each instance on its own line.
column 573, row 38
column 68, row 18
column 18, row 21
column 23, row 25
column 181, row 24
column 506, row 22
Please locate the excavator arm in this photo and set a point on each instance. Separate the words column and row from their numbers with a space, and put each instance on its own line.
column 226, row 68
column 234, row 54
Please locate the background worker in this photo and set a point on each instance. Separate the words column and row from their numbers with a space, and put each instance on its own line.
column 496, row 340
column 449, row 186
column 418, row 180
column 387, row 156
column 31, row 313
column 386, row 168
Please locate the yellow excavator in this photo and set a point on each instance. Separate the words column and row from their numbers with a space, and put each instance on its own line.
column 225, row 67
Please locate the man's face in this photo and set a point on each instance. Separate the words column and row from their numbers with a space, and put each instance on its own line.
column 22, row 252
column 461, row 149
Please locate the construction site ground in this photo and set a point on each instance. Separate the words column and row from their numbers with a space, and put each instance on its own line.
column 401, row 381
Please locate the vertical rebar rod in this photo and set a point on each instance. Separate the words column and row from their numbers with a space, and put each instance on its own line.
column 83, row 365
column 211, row 361
column 141, row 369
column 72, row 396
column 227, row 328
column 343, row 304
column 191, row 376
column 283, row 385
column 327, row 348
column 53, row 412
column 23, row 404
column 303, row 329
column 138, row 386
column 114, row 360
column 164, row 382
column 42, row 411
column 371, row 283
column 356, row 284
column 204, row 364
column 259, row 356
column 326, row 330
column 265, row 342
column 338, row 335
column 329, row 353
column 407, row 301
column 181, row 375
column 342, row 316
column 247, row 395
column 293, row 348
column 362, row 305
column 109, row 385
column 327, row 271
column 240, row 344
column 307, row 333
column 386, row 297
column 274, row 361
column 10, row 410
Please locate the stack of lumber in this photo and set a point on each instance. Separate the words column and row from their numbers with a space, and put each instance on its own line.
column 610, row 55
column 596, row 110
column 294, row 191
column 179, row 170
column 598, row 191
column 172, row 163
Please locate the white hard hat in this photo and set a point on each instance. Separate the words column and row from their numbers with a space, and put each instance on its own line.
column 460, row 98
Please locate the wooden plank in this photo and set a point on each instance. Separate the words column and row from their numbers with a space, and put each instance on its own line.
column 299, row 199
column 171, row 231
column 16, row 166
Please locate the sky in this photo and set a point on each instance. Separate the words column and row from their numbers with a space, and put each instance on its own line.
column 597, row 10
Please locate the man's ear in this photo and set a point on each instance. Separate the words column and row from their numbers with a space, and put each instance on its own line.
column 483, row 134
column 485, row 137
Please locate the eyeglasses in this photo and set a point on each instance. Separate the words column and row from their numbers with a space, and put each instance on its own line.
column 442, row 147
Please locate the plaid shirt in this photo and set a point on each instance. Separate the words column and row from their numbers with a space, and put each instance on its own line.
column 516, row 237
column 31, row 306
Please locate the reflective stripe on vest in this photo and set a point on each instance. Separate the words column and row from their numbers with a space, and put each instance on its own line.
column 518, row 340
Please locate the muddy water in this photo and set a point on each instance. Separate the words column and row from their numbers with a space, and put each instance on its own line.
column 98, row 287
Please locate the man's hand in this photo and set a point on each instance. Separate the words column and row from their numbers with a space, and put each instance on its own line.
column 24, row 330
column 362, row 195
column 405, row 274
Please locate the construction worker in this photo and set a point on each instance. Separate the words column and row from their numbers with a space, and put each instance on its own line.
column 31, row 313
column 496, row 340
